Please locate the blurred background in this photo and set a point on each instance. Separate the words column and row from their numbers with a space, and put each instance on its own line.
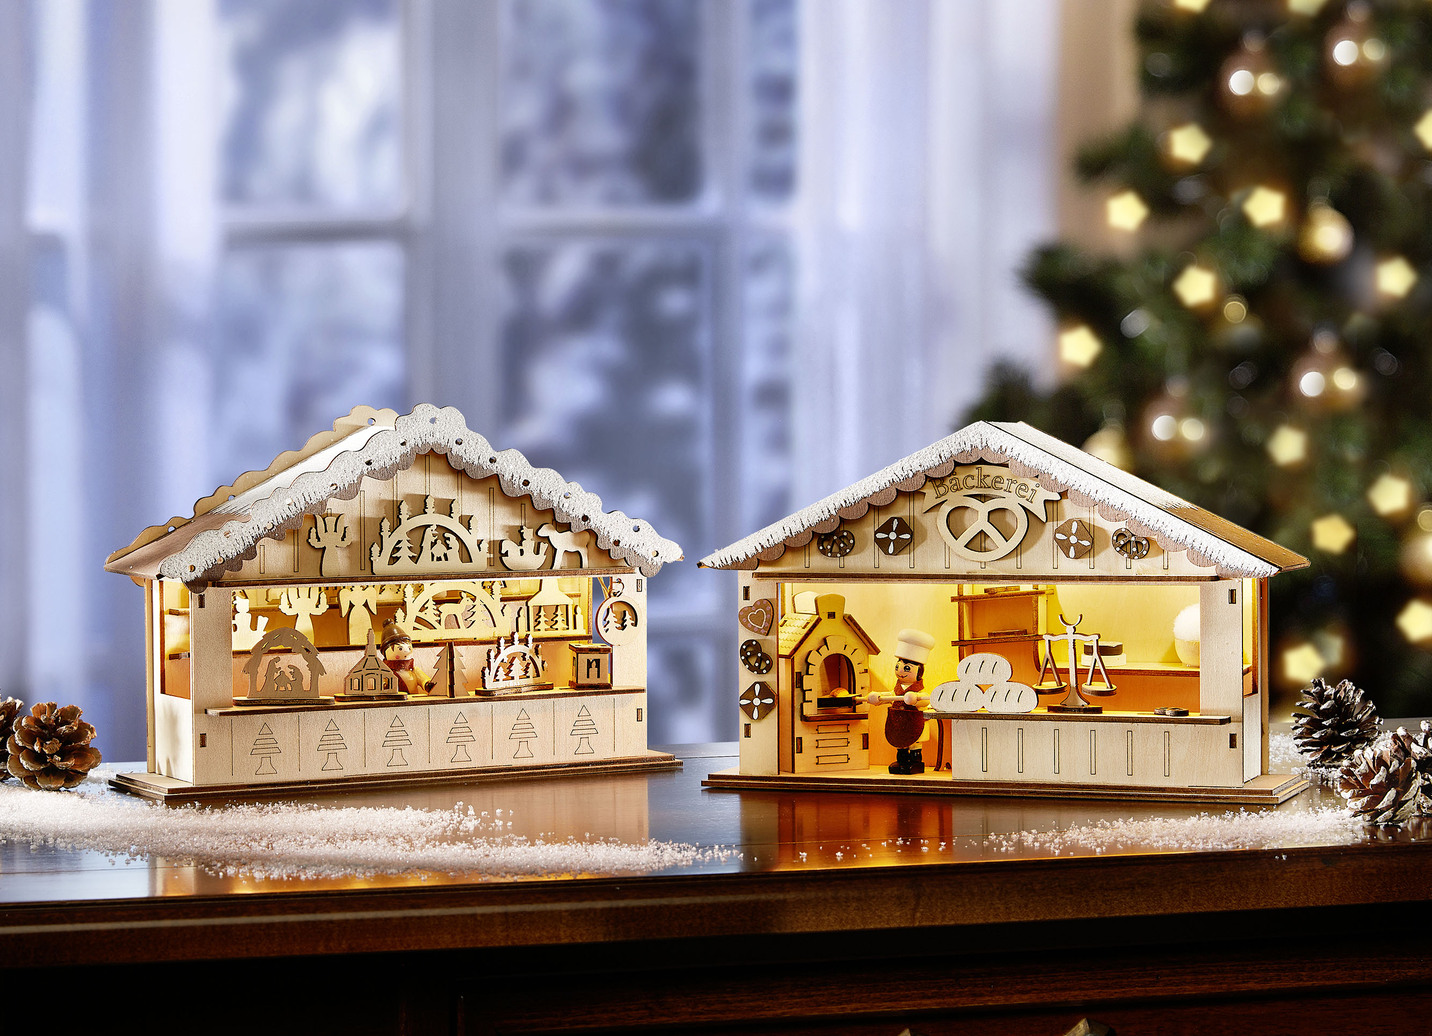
column 710, row 259
column 714, row 259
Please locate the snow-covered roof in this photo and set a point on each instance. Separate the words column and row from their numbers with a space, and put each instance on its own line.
column 228, row 525
column 1172, row 521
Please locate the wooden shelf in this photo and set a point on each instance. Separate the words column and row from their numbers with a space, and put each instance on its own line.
column 1005, row 638
column 1011, row 595
column 419, row 700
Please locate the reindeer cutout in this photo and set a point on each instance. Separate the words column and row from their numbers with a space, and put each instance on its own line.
column 564, row 543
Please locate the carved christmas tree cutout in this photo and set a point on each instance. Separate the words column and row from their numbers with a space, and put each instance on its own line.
column 451, row 678
column 460, row 736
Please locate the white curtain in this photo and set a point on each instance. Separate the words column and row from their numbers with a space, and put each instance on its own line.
column 927, row 174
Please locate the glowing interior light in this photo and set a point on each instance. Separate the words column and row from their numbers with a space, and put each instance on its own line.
column 1235, row 310
column 1164, row 427
column 1345, row 379
column 1345, row 52
column 1241, row 83
column 1269, row 83
column 1374, row 50
column 1192, row 429
column 1312, row 384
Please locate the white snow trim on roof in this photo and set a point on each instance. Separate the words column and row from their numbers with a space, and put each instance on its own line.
column 281, row 501
column 1077, row 471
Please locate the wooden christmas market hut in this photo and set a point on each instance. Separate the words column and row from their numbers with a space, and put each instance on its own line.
column 1001, row 613
column 480, row 578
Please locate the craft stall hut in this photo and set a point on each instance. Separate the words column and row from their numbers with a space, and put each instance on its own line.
column 394, row 602
column 1002, row 613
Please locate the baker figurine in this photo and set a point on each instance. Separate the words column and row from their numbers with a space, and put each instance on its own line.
column 398, row 654
column 905, row 721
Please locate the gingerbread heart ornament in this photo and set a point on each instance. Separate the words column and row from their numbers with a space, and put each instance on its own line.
column 758, row 617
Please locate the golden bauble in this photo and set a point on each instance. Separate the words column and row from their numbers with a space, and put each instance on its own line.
column 1248, row 82
column 1326, row 235
column 1353, row 52
column 1324, row 377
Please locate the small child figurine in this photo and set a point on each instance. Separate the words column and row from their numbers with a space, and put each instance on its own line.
column 905, row 722
column 398, row 654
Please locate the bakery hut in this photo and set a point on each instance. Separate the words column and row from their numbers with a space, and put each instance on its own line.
column 1092, row 635
column 311, row 616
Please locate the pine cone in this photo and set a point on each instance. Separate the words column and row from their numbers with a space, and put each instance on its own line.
column 9, row 709
column 1337, row 722
column 50, row 748
column 1381, row 784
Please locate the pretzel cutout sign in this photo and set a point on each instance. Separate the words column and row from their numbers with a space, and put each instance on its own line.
column 984, row 511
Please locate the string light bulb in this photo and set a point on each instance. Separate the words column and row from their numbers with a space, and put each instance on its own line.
column 1126, row 211
column 1394, row 277
column 1265, row 207
column 1415, row 621
column 1186, row 145
column 1302, row 663
column 1326, row 236
column 1079, row 346
column 1111, row 445
column 1423, row 129
column 1288, row 446
column 1196, row 287
column 1332, row 533
column 1390, row 495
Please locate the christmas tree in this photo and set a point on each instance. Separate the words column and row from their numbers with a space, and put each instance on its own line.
column 1262, row 348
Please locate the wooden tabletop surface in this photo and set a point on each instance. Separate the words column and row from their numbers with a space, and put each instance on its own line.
column 796, row 864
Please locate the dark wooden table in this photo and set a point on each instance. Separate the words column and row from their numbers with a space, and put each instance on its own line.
column 838, row 913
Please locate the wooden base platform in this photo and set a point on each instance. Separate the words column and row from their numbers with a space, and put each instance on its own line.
column 1268, row 790
column 168, row 789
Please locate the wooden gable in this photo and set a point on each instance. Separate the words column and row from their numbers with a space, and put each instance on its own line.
column 389, row 499
column 1005, row 502
column 428, row 521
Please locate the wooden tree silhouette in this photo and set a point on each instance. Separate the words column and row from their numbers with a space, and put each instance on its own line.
column 460, row 736
column 265, row 746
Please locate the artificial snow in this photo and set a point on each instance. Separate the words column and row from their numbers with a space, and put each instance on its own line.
column 290, row 840
column 1074, row 470
column 1242, row 829
column 280, row 501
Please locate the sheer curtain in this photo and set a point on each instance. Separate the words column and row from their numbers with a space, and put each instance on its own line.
column 928, row 172
column 223, row 222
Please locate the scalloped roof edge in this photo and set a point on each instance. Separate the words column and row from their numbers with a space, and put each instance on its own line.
column 280, row 501
column 1233, row 550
